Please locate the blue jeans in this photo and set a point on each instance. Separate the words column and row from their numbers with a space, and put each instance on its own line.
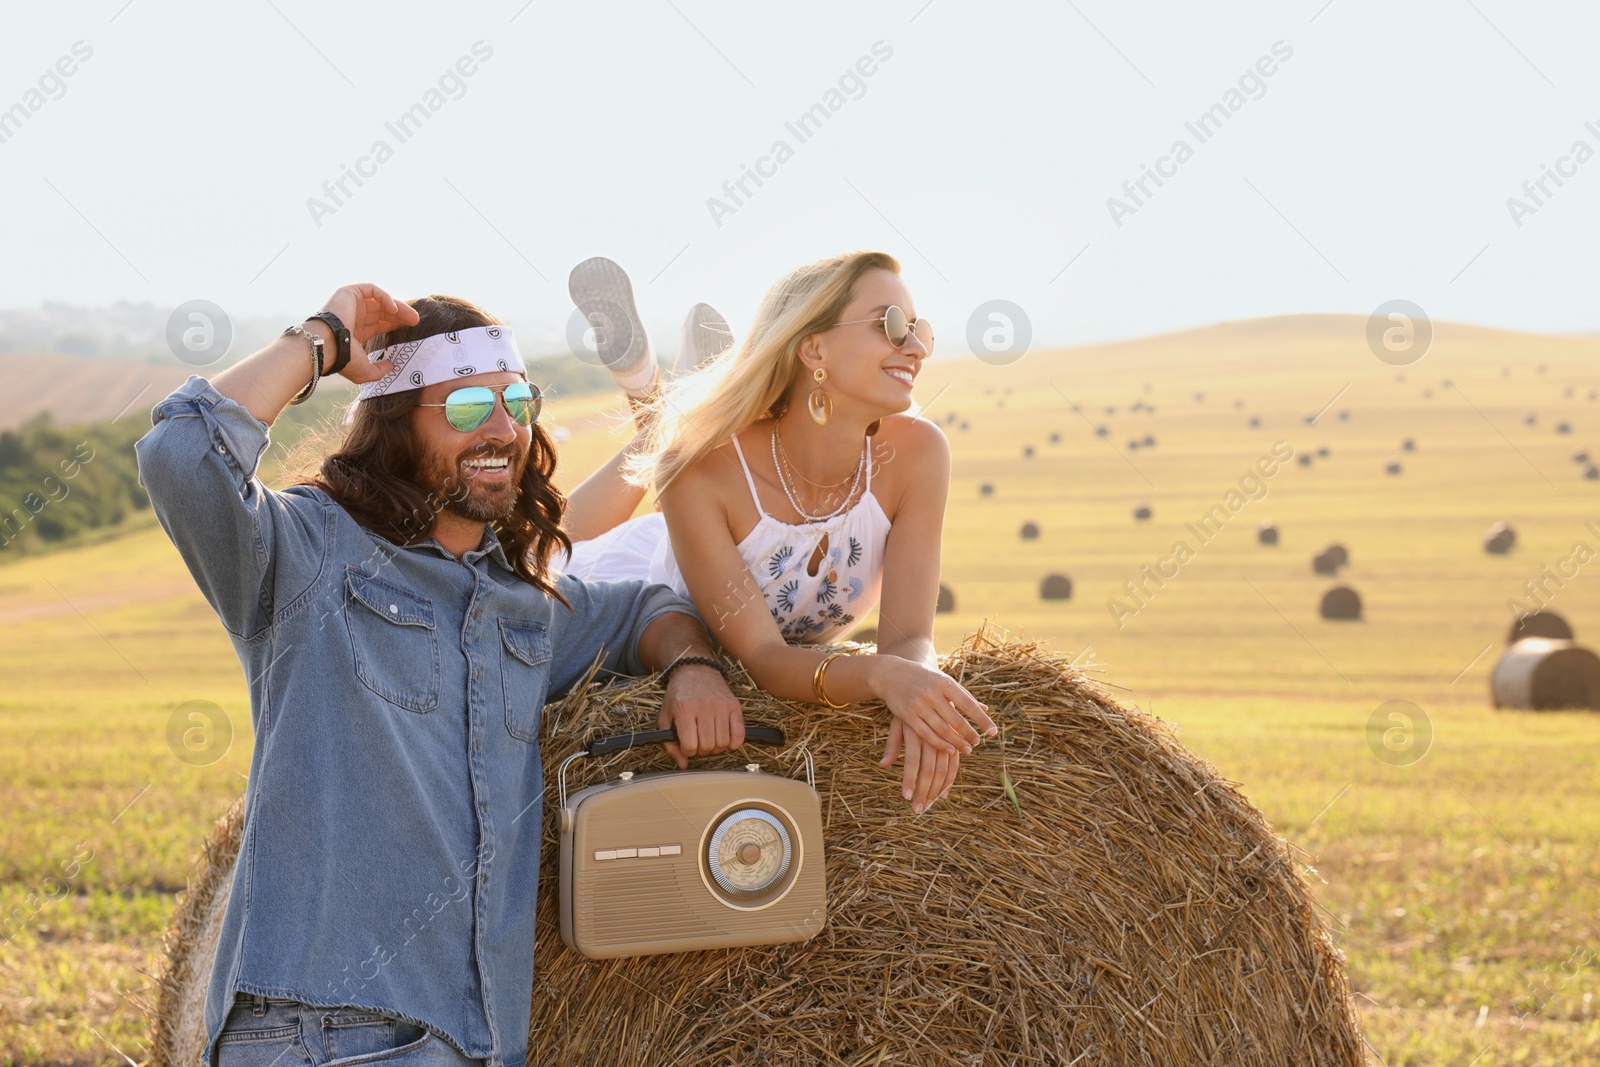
column 274, row 1032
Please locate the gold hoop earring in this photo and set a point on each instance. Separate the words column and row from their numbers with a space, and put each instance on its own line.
column 819, row 403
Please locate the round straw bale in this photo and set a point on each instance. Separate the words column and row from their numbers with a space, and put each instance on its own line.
column 1567, row 392
column 1133, row 444
column 1340, row 554
column 1408, row 445
column 1027, row 451
column 947, row 601
column 1142, row 512
column 1344, row 415
column 1580, row 455
column 1267, row 533
column 1055, row 587
column 1539, row 623
column 1325, row 562
column 1341, row 602
column 1545, row 674
column 1392, row 467
column 1304, row 459
column 1102, row 431
column 1029, row 531
column 1090, row 892
column 1255, row 422
column 1563, row 427
column 1055, row 439
column 986, row 489
column 966, row 425
column 1149, row 440
column 1529, row 419
column 1322, row 451
column 1594, row 394
column 1199, row 398
column 1592, row 473
column 1499, row 539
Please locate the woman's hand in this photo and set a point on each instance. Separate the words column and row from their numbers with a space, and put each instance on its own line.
column 929, row 771
column 935, row 720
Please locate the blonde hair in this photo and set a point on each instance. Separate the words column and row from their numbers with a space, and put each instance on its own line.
column 703, row 410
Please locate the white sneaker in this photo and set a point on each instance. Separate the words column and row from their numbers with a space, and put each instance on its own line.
column 603, row 293
column 705, row 336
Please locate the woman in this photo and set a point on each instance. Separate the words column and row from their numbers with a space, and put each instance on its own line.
column 794, row 493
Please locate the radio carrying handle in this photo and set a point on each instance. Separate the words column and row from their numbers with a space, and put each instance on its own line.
column 601, row 746
column 604, row 746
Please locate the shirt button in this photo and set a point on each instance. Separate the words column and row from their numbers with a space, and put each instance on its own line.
column 394, row 609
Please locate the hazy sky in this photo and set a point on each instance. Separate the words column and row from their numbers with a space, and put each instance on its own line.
column 979, row 142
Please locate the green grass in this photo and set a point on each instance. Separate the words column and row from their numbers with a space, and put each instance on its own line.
column 1461, row 887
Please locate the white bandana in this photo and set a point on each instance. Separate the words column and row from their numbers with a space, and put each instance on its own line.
column 441, row 358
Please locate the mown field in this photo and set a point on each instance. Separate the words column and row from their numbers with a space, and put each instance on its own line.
column 1459, row 875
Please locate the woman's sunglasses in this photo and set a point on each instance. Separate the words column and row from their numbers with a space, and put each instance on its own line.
column 897, row 327
column 470, row 407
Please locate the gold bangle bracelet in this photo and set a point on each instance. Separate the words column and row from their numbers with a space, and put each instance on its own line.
column 816, row 680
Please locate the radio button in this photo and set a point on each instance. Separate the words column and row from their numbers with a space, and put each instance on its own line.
column 671, row 850
column 649, row 853
column 603, row 854
column 627, row 853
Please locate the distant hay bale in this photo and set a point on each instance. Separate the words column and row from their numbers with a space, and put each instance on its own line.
column 1427, row 394
column 1539, row 623
column 1238, row 404
column 1594, row 394
column 1344, row 415
column 1322, row 451
column 1102, row 431
column 1142, row 512
column 1563, row 427
column 1055, row 587
column 1325, row 563
column 1199, row 398
column 947, row 601
column 1133, row 444
column 1027, row 451
column 1255, row 422
column 1267, row 533
column 1499, row 539
column 1408, row 445
column 1149, row 440
column 1055, row 439
column 1580, row 455
column 966, row 426
column 1341, row 602
column 1529, row 419
column 1304, row 459
column 1392, row 467
column 986, row 489
column 1339, row 554
column 1546, row 674
column 1129, row 906
column 1567, row 392
column 1029, row 531
column 1592, row 473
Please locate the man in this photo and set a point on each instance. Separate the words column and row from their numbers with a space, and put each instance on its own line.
column 400, row 630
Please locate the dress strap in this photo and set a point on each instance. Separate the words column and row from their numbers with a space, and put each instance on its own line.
column 868, row 447
column 748, row 479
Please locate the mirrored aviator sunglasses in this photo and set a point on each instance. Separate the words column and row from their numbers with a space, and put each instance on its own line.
column 469, row 407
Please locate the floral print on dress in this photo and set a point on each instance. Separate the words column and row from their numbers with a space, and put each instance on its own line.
column 855, row 553
column 786, row 595
column 780, row 560
column 826, row 591
column 856, row 587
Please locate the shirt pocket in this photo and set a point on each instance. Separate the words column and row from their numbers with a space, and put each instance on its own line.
column 393, row 638
column 525, row 670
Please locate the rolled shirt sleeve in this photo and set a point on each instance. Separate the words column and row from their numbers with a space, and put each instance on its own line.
column 607, row 620
column 244, row 543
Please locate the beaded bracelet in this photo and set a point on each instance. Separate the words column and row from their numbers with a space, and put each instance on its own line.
column 705, row 661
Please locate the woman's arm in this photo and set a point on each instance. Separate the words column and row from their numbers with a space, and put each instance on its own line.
column 603, row 500
column 926, row 704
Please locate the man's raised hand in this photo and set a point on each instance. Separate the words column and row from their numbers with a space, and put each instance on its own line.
column 367, row 311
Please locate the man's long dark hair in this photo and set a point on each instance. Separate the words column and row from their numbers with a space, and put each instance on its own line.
column 372, row 474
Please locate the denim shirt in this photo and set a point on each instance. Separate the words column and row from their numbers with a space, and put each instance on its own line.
column 390, row 856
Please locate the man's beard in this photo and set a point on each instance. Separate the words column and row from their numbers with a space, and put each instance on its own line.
column 464, row 495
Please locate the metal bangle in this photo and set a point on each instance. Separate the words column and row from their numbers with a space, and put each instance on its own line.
column 316, row 363
column 817, row 680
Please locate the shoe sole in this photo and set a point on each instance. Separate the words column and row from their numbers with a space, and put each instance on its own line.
column 705, row 336
column 604, row 295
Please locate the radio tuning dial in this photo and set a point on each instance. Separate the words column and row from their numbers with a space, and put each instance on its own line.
column 749, row 852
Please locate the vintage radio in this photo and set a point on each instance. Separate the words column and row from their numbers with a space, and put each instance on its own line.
column 686, row 860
